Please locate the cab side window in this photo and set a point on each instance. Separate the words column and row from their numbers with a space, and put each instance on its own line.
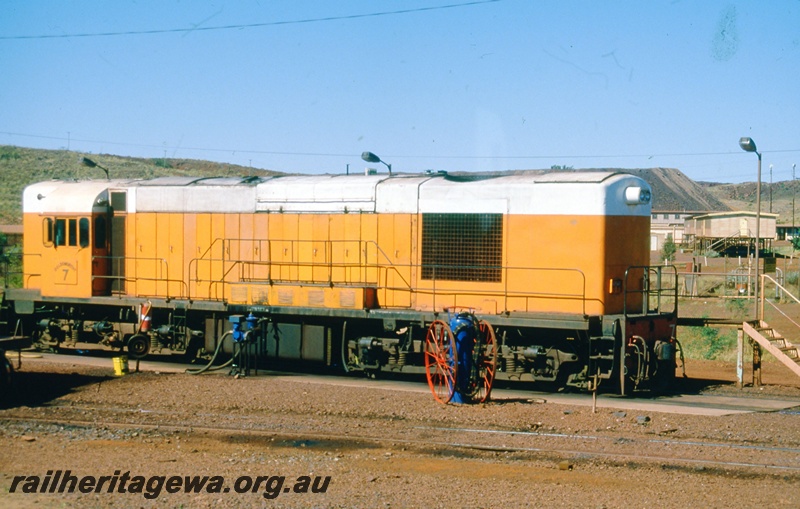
column 67, row 232
column 83, row 232
column 60, row 232
column 47, row 233
column 73, row 232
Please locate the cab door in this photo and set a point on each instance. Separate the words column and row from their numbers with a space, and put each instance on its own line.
column 70, row 257
column 101, row 251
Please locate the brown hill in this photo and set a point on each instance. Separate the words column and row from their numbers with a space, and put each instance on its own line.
column 782, row 198
column 674, row 191
column 20, row 167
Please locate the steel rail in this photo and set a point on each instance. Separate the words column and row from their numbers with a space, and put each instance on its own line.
column 699, row 443
column 394, row 441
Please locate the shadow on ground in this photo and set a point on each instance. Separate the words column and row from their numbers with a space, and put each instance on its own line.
column 36, row 388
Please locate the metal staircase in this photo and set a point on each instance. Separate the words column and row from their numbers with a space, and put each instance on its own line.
column 767, row 336
column 771, row 340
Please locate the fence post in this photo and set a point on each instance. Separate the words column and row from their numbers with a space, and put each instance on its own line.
column 756, row 364
column 740, row 358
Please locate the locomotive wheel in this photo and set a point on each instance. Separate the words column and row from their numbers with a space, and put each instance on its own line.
column 349, row 355
column 43, row 342
column 138, row 346
column 440, row 361
column 487, row 365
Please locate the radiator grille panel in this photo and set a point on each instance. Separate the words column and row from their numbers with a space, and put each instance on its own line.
column 462, row 247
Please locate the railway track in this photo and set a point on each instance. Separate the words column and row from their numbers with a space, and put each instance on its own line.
column 621, row 450
column 626, row 450
column 384, row 440
column 692, row 404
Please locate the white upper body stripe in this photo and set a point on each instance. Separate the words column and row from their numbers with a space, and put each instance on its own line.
column 572, row 193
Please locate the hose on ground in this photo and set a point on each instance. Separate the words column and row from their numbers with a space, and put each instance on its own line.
column 208, row 367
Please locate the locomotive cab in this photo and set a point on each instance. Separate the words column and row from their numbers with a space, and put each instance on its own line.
column 67, row 239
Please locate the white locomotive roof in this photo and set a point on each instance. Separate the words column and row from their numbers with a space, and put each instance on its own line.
column 74, row 197
column 169, row 181
column 206, row 181
column 588, row 193
column 556, row 193
column 568, row 193
column 323, row 193
column 401, row 194
column 574, row 176
column 188, row 194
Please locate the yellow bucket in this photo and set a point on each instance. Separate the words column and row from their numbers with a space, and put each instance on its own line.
column 120, row 365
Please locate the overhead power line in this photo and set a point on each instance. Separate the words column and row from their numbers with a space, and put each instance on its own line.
column 163, row 146
column 249, row 25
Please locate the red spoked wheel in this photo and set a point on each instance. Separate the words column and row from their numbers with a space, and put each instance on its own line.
column 486, row 362
column 440, row 361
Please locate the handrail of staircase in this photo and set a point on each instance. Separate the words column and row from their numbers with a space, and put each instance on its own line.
column 764, row 277
column 724, row 240
column 762, row 297
column 776, row 308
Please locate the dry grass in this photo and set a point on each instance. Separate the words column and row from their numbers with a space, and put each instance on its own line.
column 20, row 167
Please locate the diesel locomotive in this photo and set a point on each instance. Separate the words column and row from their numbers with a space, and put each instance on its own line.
column 352, row 271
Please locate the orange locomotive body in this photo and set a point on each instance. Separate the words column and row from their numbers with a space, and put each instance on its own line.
column 348, row 271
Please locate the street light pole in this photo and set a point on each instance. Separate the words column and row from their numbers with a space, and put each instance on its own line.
column 91, row 164
column 749, row 145
column 372, row 158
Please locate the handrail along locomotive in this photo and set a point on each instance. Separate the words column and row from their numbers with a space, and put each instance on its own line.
column 349, row 271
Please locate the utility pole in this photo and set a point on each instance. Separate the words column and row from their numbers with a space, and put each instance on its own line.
column 794, row 229
column 770, row 189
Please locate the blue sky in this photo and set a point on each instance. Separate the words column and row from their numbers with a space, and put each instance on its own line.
column 306, row 86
